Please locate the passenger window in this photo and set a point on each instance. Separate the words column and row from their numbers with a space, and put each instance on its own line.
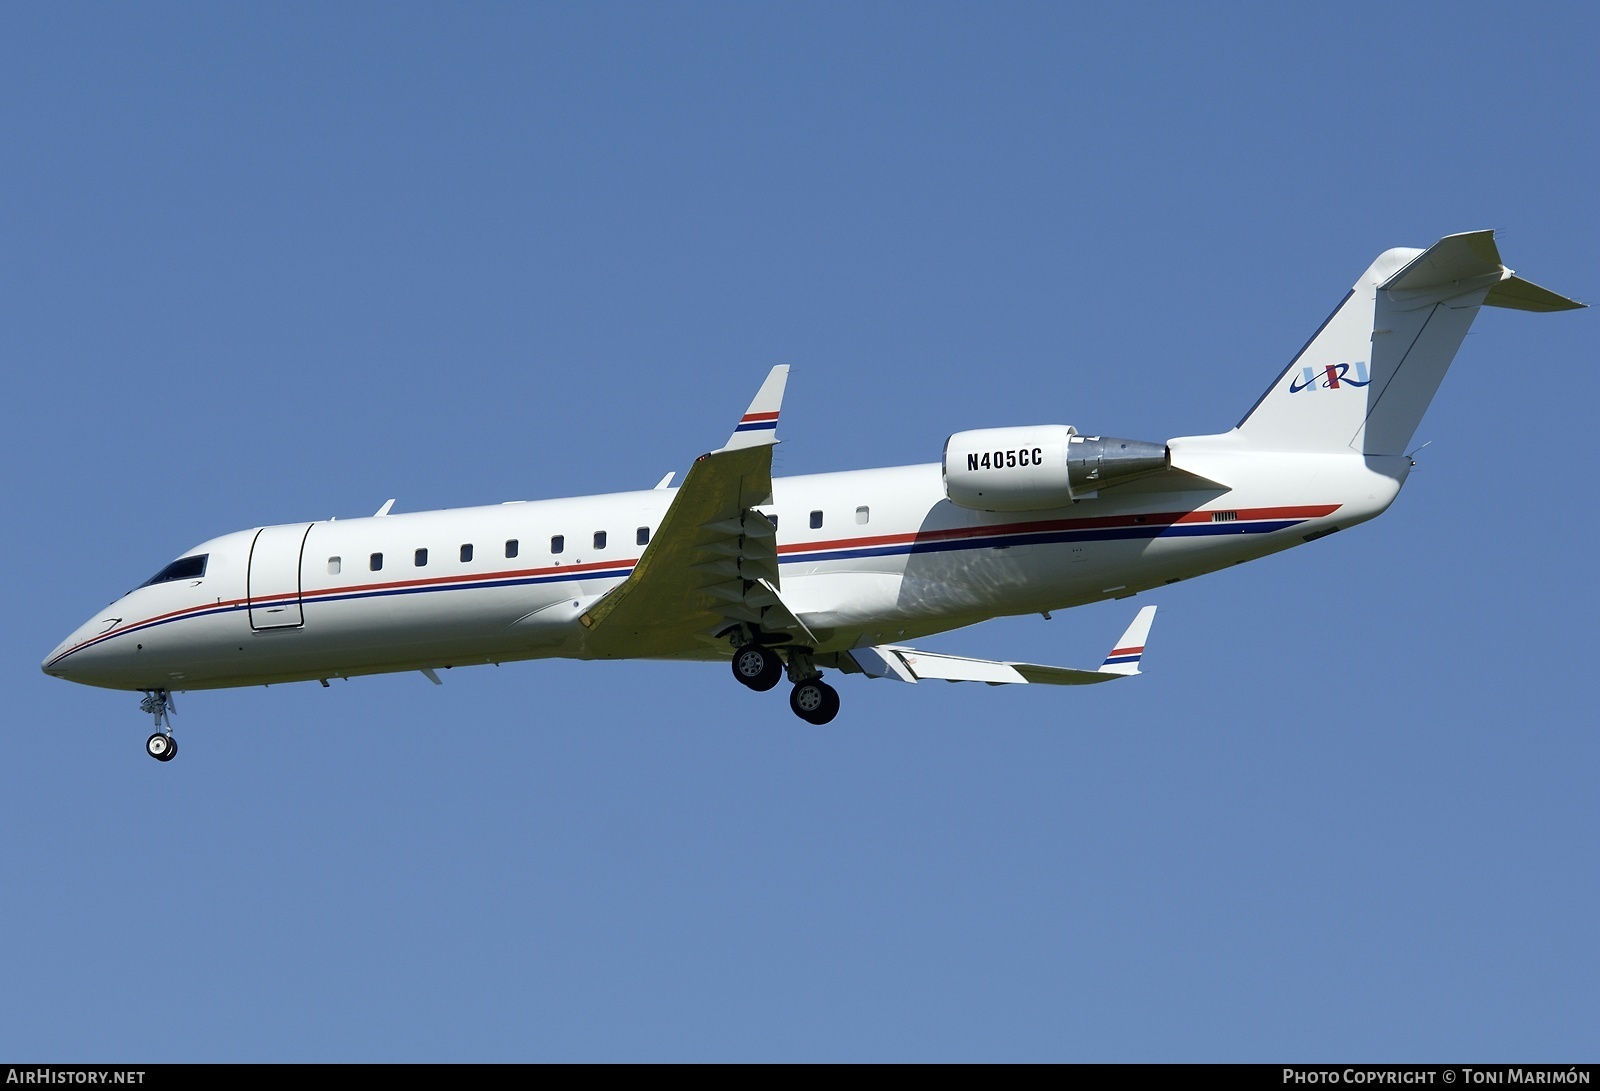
column 421, row 558
column 333, row 566
column 642, row 536
column 599, row 539
column 773, row 519
column 511, row 547
column 558, row 542
column 466, row 553
column 376, row 562
column 816, row 520
column 862, row 514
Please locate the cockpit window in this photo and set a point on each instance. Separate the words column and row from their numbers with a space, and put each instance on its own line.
column 184, row 568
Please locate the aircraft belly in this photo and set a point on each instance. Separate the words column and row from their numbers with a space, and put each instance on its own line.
column 469, row 624
column 842, row 598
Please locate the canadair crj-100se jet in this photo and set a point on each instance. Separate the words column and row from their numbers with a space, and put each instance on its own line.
column 793, row 576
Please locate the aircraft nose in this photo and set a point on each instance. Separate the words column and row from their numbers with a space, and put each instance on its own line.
column 58, row 664
column 49, row 660
column 76, row 658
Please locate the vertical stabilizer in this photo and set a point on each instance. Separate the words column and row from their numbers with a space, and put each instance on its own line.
column 1366, row 377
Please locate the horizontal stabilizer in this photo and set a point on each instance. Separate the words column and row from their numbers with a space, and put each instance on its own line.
column 1517, row 294
column 910, row 665
column 1452, row 259
column 1458, row 264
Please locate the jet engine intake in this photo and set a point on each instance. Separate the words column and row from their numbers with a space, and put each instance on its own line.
column 1041, row 466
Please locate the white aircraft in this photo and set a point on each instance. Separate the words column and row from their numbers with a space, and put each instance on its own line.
column 829, row 570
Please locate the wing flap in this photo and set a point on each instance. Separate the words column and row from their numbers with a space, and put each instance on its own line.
column 955, row 668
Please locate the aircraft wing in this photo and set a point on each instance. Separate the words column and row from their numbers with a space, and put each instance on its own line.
column 713, row 562
column 911, row 665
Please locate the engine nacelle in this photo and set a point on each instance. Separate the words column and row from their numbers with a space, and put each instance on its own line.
column 1040, row 466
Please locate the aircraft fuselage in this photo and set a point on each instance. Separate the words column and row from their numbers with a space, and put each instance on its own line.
column 866, row 556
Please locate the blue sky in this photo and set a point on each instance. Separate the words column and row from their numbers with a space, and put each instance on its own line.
column 265, row 263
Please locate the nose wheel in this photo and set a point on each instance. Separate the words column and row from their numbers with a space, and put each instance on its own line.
column 159, row 704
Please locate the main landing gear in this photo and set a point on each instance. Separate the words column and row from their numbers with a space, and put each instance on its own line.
column 758, row 667
column 814, row 701
column 159, row 703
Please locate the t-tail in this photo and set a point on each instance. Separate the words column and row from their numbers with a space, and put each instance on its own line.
column 1367, row 375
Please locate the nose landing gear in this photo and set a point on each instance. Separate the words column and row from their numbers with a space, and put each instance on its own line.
column 159, row 703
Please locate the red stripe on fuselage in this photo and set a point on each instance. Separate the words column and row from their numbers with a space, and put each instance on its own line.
column 1303, row 511
column 348, row 589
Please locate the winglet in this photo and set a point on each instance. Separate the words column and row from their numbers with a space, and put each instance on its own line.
column 759, row 425
column 1126, row 653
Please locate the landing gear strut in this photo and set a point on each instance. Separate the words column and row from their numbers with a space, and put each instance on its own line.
column 811, row 699
column 159, row 703
column 757, row 666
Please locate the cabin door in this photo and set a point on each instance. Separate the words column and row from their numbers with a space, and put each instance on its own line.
column 273, row 585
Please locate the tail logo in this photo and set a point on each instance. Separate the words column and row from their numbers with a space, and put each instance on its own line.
column 1331, row 377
